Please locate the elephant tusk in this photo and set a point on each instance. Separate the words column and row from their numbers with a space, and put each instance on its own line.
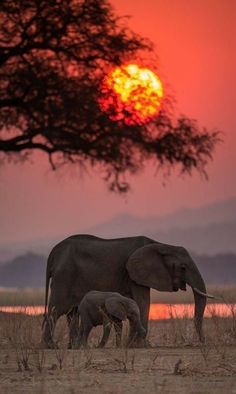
column 204, row 294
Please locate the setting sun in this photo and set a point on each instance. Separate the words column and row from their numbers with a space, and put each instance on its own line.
column 132, row 94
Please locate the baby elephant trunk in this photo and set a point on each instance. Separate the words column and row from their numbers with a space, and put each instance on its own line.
column 142, row 332
column 133, row 315
column 138, row 328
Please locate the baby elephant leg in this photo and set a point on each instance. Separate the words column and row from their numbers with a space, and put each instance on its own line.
column 106, row 332
column 73, row 325
column 118, row 329
column 84, row 332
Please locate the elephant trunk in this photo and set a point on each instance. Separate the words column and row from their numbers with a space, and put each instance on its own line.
column 200, row 304
column 194, row 279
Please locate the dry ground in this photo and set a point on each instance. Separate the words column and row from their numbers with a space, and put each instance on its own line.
column 176, row 362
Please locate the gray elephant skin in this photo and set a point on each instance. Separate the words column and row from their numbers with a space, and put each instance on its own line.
column 129, row 266
column 107, row 308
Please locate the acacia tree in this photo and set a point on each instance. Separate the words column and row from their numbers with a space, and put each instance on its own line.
column 53, row 56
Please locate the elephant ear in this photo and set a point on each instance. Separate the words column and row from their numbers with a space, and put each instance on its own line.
column 115, row 308
column 146, row 266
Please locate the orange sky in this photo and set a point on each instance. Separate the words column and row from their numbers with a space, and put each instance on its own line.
column 195, row 41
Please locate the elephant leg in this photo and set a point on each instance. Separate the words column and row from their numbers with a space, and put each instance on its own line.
column 73, row 325
column 106, row 332
column 118, row 329
column 132, row 340
column 141, row 295
column 84, row 333
column 49, row 328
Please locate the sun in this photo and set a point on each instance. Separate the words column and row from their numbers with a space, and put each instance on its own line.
column 132, row 94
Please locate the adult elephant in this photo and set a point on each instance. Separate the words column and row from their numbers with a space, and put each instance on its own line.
column 129, row 266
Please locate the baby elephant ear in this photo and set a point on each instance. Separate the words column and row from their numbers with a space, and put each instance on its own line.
column 146, row 267
column 114, row 307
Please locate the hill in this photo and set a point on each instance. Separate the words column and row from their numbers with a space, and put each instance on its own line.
column 126, row 224
column 209, row 239
column 24, row 271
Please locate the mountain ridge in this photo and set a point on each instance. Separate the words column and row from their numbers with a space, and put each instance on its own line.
column 216, row 221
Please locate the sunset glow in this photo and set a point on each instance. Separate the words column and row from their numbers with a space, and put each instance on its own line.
column 132, row 94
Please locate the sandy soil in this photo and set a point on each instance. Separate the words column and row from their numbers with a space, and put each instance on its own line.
column 175, row 363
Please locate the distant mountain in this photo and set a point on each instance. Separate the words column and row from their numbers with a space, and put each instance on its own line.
column 126, row 224
column 29, row 270
column 210, row 229
column 210, row 239
column 24, row 271
column 219, row 269
column 207, row 230
column 10, row 250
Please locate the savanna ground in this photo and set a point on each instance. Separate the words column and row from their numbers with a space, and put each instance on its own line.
column 175, row 363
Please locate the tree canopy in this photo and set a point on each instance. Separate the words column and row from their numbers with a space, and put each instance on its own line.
column 53, row 57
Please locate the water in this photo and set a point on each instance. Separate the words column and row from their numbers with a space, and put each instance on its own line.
column 166, row 311
column 157, row 311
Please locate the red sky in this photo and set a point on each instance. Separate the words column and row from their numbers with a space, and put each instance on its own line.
column 195, row 41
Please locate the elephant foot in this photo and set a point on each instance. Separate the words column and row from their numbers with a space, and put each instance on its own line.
column 50, row 345
column 135, row 345
column 73, row 346
column 100, row 346
column 139, row 343
column 147, row 343
column 74, row 342
column 85, row 346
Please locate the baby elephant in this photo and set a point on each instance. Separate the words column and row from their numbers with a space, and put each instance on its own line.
column 108, row 308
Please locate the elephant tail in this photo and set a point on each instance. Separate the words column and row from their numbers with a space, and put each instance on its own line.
column 48, row 277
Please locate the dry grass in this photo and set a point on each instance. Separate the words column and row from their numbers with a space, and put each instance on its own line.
column 175, row 363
